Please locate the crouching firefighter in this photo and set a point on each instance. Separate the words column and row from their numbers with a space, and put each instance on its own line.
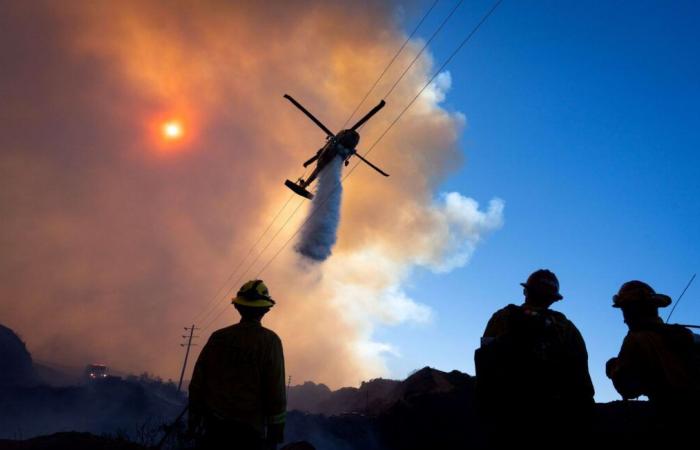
column 659, row 360
column 237, row 392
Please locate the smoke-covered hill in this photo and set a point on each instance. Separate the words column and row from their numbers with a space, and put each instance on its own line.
column 435, row 409
column 133, row 407
column 375, row 396
column 429, row 409
column 17, row 368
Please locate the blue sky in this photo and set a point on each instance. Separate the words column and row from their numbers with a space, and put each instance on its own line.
column 583, row 117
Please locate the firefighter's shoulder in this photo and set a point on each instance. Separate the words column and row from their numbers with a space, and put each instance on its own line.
column 222, row 334
column 271, row 335
column 506, row 312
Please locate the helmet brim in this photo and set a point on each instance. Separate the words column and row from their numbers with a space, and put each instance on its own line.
column 257, row 303
column 662, row 300
column 658, row 300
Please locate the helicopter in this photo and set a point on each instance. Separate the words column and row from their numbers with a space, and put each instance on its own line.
column 341, row 144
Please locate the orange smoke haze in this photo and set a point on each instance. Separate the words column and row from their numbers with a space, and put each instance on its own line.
column 114, row 238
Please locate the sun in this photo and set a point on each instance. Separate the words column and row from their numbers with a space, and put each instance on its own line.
column 172, row 130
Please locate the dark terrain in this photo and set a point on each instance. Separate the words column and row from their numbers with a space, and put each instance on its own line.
column 430, row 409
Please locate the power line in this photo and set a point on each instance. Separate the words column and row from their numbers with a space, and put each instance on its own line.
column 381, row 75
column 250, row 266
column 435, row 33
column 214, row 300
column 311, row 214
column 432, row 78
column 386, row 68
column 395, row 83
column 437, row 72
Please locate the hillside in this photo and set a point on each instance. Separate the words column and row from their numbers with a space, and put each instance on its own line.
column 17, row 369
column 429, row 409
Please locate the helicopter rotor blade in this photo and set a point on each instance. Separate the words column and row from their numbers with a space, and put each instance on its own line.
column 309, row 115
column 370, row 164
column 368, row 115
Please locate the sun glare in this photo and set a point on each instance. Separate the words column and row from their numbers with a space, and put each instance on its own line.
column 172, row 130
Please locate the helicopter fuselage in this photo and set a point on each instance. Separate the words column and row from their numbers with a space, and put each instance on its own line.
column 341, row 145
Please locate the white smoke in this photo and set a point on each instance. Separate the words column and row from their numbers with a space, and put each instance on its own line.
column 460, row 227
column 368, row 284
column 320, row 231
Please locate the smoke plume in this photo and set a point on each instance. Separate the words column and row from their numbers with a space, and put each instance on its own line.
column 319, row 232
column 114, row 238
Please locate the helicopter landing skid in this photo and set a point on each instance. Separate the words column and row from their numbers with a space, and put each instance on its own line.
column 299, row 190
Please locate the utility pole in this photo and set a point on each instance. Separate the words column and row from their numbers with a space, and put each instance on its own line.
column 289, row 384
column 187, row 352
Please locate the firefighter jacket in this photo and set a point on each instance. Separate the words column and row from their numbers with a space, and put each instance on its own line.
column 239, row 377
column 657, row 360
column 535, row 354
column 533, row 388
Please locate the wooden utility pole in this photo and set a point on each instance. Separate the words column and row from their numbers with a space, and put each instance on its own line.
column 187, row 352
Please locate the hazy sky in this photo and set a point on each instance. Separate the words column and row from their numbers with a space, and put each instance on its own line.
column 116, row 235
column 563, row 136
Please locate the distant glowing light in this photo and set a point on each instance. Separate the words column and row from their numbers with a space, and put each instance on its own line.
column 172, row 130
